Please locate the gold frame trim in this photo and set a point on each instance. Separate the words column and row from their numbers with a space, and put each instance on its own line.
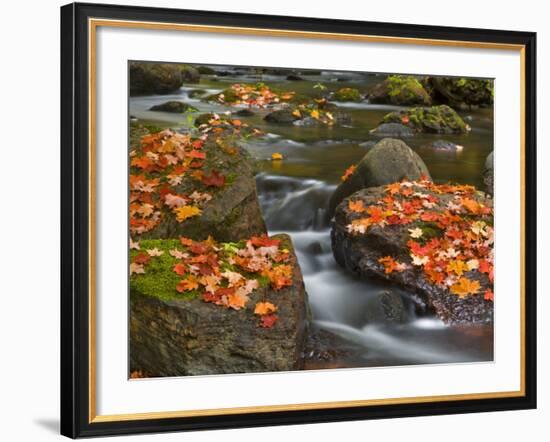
column 93, row 24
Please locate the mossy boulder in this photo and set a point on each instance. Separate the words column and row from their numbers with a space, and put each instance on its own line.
column 176, row 107
column 154, row 78
column 388, row 161
column 400, row 90
column 232, row 213
column 435, row 119
column 347, row 94
column 361, row 254
column 462, row 93
column 179, row 335
column 190, row 74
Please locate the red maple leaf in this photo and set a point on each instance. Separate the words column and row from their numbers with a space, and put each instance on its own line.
column 141, row 258
column 268, row 321
column 264, row 241
column 215, row 179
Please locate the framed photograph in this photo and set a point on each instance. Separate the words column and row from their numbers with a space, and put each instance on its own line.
column 275, row 220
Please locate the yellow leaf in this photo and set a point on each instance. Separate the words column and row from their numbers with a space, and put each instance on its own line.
column 296, row 113
column 464, row 287
column 457, row 266
column 276, row 156
column 182, row 213
column 315, row 114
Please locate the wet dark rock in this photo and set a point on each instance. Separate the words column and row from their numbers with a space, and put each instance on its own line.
column 176, row 107
column 281, row 116
column 190, row 74
column 435, row 119
column 294, row 77
column 368, row 144
column 315, row 248
column 325, row 350
column 154, row 78
column 389, row 161
column 244, row 113
column 385, row 307
column 392, row 130
column 461, row 93
column 488, row 174
column 400, row 90
column 360, row 254
column 180, row 337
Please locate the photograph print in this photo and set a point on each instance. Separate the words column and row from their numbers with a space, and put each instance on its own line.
column 286, row 219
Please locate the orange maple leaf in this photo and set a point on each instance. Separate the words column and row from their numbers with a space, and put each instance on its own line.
column 464, row 287
column 356, row 206
column 264, row 308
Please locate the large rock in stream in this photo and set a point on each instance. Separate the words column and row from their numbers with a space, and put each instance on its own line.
column 435, row 119
column 462, row 93
column 174, row 335
column 452, row 271
column 232, row 211
column 388, row 161
column 400, row 90
column 154, row 78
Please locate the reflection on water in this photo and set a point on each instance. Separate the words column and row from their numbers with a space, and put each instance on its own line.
column 294, row 194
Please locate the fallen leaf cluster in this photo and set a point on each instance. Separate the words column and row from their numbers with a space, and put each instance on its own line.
column 450, row 240
column 225, row 274
column 253, row 95
column 158, row 167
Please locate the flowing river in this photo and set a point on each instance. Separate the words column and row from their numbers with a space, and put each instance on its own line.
column 294, row 194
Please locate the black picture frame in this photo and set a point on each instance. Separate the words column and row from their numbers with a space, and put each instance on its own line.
column 75, row 219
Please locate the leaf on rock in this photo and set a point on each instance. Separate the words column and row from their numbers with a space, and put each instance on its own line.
column 464, row 287
column 268, row 321
column 182, row 213
column 215, row 179
column 264, row 308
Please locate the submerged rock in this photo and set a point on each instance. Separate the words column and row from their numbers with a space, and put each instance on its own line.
column 154, row 78
column 447, row 146
column 392, row 130
column 385, row 307
column 488, row 174
column 436, row 119
column 361, row 253
column 462, row 93
column 176, row 107
column 389, row 161
column 400, row 90
column 281, row 116
column 303, row 119
column 174, row 336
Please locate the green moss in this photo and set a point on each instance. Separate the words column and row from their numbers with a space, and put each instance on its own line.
column 159, row 279
column 404, row 89
column 206, row 70
column 434, row 119
column 347, row 94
